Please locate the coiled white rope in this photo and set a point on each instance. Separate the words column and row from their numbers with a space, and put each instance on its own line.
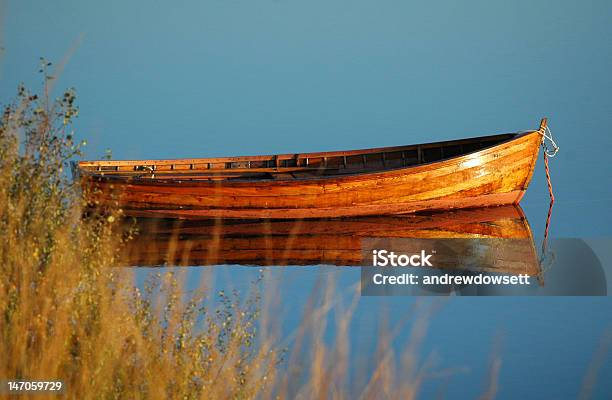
column 547, row 135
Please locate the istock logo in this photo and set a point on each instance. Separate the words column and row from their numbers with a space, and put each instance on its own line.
column 385, row 258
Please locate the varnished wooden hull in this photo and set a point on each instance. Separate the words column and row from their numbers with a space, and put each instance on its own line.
column 502, row 234
column 492, row 176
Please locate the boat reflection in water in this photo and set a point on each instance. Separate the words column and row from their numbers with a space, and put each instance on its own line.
column 496, row 239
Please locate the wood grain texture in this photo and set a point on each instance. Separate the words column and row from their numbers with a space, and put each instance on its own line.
column 381, row 181
column 501, row 233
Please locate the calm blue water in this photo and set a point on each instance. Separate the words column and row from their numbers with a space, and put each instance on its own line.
column 212, row 78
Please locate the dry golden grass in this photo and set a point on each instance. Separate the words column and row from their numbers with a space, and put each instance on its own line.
column 66, row 313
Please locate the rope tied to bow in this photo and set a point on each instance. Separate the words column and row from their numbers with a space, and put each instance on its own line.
column 549, row 152
column 548, row 180
column 547, row 135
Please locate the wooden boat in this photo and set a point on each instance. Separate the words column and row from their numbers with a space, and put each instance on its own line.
column 482, row 171
column 493, row 239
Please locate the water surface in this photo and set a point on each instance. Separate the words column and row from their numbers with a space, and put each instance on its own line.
column 215, row 78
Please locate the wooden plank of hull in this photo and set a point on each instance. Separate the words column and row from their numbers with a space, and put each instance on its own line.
column 504, row 230
column 493, row 176
column 214, row 163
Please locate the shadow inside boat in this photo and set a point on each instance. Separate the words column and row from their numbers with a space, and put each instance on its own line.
column 496, row 239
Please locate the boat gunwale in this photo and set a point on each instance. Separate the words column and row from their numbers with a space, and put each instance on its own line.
column 364, row 174
column 285, row 156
